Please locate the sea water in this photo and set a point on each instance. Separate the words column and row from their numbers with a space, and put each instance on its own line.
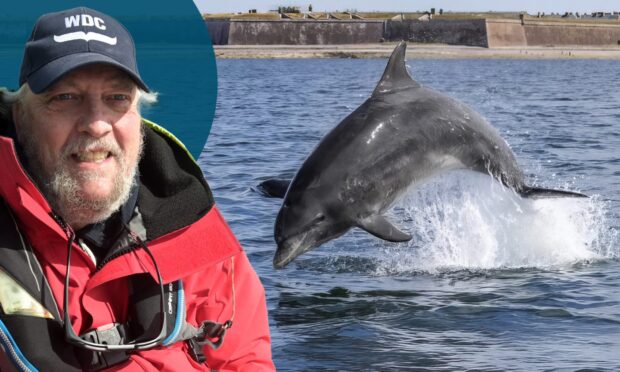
column 490, row 281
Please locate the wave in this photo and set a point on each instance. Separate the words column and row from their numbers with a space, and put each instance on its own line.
column 465, row 221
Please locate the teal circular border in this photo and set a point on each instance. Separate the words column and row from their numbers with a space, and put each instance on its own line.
column 174, row 51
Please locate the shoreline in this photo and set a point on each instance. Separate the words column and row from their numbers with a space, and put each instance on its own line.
column 415, row 51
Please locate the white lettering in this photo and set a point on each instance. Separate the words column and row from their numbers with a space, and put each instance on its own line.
column 99, row 23
column 87, row 20
column 170, row 303
column 72, row 21
column 170, row 288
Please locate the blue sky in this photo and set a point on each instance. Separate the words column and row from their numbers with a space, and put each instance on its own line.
column 531, row 6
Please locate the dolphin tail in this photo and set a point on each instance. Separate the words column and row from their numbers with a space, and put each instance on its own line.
column 378, row 226
column 539, row 192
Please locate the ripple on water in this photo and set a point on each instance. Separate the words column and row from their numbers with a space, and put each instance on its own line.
column 490, row 282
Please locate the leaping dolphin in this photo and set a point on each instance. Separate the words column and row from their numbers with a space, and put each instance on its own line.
column 401, row 135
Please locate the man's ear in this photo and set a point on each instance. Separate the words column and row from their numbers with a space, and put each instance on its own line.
column 16, row 112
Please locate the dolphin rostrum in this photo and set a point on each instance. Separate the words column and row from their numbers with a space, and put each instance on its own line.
column 401, row 135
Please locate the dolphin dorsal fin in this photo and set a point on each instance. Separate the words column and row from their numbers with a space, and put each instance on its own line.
column 395, row 75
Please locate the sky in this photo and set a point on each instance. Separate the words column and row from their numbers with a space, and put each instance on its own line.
column 531, row 6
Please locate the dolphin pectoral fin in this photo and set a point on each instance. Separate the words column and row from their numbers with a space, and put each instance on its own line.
column 539, row 192
column 380, row 227
column 273, row 187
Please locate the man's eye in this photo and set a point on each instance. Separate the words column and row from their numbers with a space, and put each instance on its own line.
column 120, row 97
column 64, row 97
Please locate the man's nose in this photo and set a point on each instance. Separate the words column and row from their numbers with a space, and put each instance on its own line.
column 95, row 120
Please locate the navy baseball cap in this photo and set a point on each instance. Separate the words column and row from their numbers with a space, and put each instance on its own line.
column 63, row 41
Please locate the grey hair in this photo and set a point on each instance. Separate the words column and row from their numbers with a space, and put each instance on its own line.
column 146, row 99
column 8, row 98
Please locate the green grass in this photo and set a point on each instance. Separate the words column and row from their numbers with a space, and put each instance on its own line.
column 413, row 15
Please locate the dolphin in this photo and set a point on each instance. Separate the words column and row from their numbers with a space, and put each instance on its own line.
column 403, row 134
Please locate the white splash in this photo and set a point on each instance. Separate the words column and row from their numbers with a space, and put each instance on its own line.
column 468, row 221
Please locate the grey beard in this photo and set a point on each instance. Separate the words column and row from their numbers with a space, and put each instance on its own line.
column 62, row 189
column 64, row 194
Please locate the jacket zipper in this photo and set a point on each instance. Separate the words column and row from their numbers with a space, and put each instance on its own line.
column 115, row 255
column 6, row 341
column 69, row 232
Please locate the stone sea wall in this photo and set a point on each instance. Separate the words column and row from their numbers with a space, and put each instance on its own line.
column 541, row 33
column 298, row 32
column 490, row 33
column 505, row 33
column 466, row 32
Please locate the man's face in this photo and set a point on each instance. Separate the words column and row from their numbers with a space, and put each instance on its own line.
column 82, row 138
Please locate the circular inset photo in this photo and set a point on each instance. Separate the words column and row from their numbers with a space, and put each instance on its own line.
column 174, row 56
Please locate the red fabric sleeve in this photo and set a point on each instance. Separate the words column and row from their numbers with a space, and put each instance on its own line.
column 211, row 295
column 228, row 290
column 247, row 344
column 164, row 359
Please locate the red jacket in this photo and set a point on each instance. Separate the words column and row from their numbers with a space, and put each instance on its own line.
column 196, row 246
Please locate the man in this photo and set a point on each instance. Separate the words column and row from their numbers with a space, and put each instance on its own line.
column 112, row 253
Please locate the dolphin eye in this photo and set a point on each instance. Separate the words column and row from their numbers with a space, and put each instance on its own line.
column 319, row 217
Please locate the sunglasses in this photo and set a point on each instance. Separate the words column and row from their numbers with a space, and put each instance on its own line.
column 81, row 342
